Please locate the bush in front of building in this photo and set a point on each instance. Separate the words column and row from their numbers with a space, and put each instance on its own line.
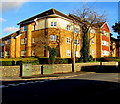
column 61, row 61
column 7, row 63
column 90, row 58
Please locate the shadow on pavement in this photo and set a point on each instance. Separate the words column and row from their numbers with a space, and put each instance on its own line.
column 101, row 69
column 65, row 91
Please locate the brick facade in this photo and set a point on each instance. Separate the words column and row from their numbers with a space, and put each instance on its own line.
column 55, row 30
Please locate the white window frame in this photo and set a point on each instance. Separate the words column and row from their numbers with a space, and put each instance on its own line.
column 53, row 24
column 77, row 30
column 7, row 53
column 53, row 37
column 24, row 28
column 33, row 40
column 77, row 53
column 93, row 51
column 105, row 43
column 23, row 53
column 24, row 41
column 33, row 53
column 93, row 41
column 92, row 31
column 76, row 42
column 104, row 52
column 68, row 27
column 68, row 53
column 2, row 44
column 8, row 41
column 2, row 54
column 68, row 40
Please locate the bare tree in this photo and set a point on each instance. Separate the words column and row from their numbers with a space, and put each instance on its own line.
column 44, row 43
column 87, row 19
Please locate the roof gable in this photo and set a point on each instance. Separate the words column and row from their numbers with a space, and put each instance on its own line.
column 43, row 14
column 105, row 27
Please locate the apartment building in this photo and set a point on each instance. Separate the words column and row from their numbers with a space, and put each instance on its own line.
column 115, row 47
column 55, row 29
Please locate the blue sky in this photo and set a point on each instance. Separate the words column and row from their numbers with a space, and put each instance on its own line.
column 13, row 12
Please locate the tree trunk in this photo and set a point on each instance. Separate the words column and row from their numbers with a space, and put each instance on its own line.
column 85, row 48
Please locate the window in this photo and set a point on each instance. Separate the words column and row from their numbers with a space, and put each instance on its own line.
column 33, row 27
column 53, row 37
column 104, row 52
column 23, row 53
column 93, row 41
column 33, row 53
column 76, row 42
column 2, row 44
column 93, row 52
column 24, row 28
column 105, row 43
column 68, row 53
column 2, row 54
column 92, row 31
column 33, row 40
column 53, row 24
column 76, row 30
column 68, row 40
column 77, row 53
column 8, row 41
column 23, row 41
column 7, row 53
column 105, row 33
column 68, row 27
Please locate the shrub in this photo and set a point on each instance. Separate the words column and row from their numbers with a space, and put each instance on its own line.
column 61, row 61
column 90, row 58
column 43, row 60
column 8, row 63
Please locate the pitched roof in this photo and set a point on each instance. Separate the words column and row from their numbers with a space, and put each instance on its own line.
column 11, row 35
column 100, row 24
column 44, row 14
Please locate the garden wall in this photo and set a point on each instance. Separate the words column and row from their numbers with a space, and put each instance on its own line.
column 10, row 71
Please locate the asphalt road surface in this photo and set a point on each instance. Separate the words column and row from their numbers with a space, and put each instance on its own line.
column 96, row 88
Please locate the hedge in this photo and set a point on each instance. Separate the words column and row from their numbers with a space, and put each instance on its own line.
column 36, row 61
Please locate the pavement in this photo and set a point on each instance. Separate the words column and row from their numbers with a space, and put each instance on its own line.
column 47, row 76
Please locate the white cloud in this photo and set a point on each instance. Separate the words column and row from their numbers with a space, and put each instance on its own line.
column 2, row 20
column 12, row 4
column 10, row 29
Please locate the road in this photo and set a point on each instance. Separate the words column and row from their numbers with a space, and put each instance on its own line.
column 95, row 88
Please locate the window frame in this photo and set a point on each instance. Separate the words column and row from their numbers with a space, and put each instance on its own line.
column 68, row 40
column 77, row 30
column 93, row 41
column 24, row 28
column 33, row 40
column 24, row 41
column 53, row 37
column 76, row 42
column 2, row 54
column 7, row 53
column 93, row 51
column 68, row 27
column 8, row 41
column 53, row 24
column 68, row 53
column 24, row 53
column 33, row 53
